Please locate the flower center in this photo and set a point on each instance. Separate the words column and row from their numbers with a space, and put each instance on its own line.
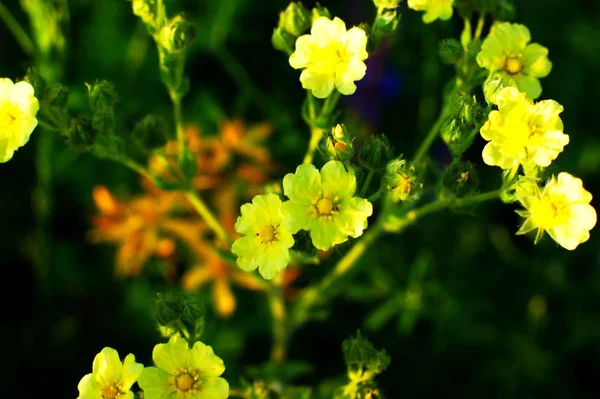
column 8, row 115
column 267, row 234
column 513, row 65
column 186, row 382
column 324, row 206
column 111, row 391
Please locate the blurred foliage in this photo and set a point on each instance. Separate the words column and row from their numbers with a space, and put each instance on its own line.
column 463, row 306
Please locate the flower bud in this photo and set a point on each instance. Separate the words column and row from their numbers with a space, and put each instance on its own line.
column 151, row 132
column 36, row 81
column 295, row 20
column 504, row 11
column 320, row 11
column 400, row 180
column 179, row 313
column 102, row 95
column 450, row 51
column 460, row 179
column 146, row 10
column 460, row 129
column 376, row 153
column 81, row 134
column 57, row 95
column 386, row 3
column 103, row 120
column 338, row 145
column 386, row 23
column 492, row 86
column 283, row 41
column 177, row 34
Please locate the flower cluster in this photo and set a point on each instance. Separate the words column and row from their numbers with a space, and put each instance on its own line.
column 180, row 372
column 321, row 202
column 156, row 224
column 18, row 109
column 529, row 135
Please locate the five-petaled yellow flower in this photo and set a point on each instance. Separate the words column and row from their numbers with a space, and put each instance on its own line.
column 18, row 108
column 332, row 57
column 562, row 209
column 266, row 242
column 507, row 53
column 324, row 204
column 521, row 131
column 434, row 9
column 110, row 379
column 182, row 372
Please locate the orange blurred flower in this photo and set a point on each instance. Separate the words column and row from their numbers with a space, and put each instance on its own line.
column 142, row 227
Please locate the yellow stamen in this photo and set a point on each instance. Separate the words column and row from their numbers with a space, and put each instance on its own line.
column 513, row 66
column 324, row 206
column 110, row 392
column 184, row 382
column 267, row 234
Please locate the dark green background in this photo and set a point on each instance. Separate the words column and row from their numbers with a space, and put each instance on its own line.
column 474, row 336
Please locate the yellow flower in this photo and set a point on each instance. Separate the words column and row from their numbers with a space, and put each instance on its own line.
column 331, row 57
column 562, row 209
column 521, row 131
column 110, row 379
column 506, row 52
column 18, row 108
column 434, row 9
column 266, row 242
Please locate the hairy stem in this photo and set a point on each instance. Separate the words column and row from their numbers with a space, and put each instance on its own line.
column 208, row 216
column 431, row 136
column 367, row 183
column 279, row 314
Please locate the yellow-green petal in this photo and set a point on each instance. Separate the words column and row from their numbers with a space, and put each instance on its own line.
column 155, row 383
column 536, row 62
column 88, row 388
column 203, row 359
column 336, row 181
column 298, row 216
column 107, row 367
column 352, row 217
column 325, row 234
column 320, row 83
column 213, row 388
column 248, row 249
column 130, row 372
column 273, row 260
column 171, row 356
column 304, row 185
column 529, row 85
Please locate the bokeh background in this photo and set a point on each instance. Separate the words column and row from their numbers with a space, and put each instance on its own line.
column 464, row 307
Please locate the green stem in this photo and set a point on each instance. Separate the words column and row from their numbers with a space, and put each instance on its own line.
column 367, row 183
column 330, row 103
column 375, row 196
column 316, row 135
column 319, row 292
column 178, row 117
column 279, row 314
column 17, row 30
column 480, row 24
column 135, row 167
column 208, row 216
column 431, row 135
column 45, row 125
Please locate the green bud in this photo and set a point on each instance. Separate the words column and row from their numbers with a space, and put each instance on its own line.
column 283, row 41
column 386, row 3
column 460, row 129
column 504, row 11
column 146, row 10
column 376, row 153
column 177, row 34
column 103, row 120
column 296, row 19
column 338, row 145
column 37, row 82
column 102, row 95
column 188, row 164
column 179, row 313
column 461, row 179
column 151, row 132
column 57, row 95
column 450, row 51
column 492, row 86
column 400, row 180
column 81, row 135
column 386, row 23
column 320, row 11
column 362, row 359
